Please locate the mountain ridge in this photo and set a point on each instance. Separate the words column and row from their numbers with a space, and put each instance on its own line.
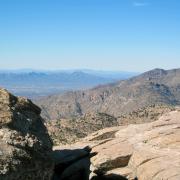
column 157, row 86
column 34, row 84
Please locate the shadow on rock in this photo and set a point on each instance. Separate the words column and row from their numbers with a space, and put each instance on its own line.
column 72, row 164
column 75, row 164
column 109, row 177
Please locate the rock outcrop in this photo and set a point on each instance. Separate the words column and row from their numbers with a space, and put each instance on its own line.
column 25, row 146
column 149, row 151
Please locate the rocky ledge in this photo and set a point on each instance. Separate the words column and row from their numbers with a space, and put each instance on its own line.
column 149, row 151
column 25, row 146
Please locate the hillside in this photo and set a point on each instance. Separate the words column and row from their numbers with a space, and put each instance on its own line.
column 157, row 86
column 68, row 131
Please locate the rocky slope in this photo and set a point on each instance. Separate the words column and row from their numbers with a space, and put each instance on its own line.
column 149, row 151
column 154, row 87
column 68, row 131
column 144, row 115
column 25, row 146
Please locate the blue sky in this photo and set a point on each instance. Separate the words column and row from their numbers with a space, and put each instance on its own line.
column 128, row 35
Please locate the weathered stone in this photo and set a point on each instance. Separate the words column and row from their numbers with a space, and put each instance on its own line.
column 25, row 146
column 124, row 172
column 110, row 155
column 149, row 151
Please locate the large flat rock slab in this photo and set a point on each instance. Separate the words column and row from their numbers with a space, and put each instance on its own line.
column 149, row 151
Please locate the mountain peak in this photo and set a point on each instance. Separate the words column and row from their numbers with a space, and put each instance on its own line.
column 157, row 86
column 155, row 73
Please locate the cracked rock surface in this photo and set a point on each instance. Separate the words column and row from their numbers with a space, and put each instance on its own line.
column 149, row 151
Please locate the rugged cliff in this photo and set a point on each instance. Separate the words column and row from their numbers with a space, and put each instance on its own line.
column 25, row 146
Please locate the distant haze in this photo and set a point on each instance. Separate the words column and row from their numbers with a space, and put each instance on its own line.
column 155, row 87
column 34, row 83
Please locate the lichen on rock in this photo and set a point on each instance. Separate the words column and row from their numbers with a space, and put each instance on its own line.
column 25, row 146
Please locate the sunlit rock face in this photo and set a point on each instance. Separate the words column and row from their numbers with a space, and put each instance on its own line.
column 149, row 151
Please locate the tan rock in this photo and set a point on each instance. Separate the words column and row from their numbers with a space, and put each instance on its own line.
column 124, row 172
column 148, row 151
column 110, row 155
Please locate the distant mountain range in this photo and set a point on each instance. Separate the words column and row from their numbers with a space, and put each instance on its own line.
column 34, row 83
column 157, row 86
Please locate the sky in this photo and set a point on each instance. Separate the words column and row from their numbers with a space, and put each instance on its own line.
column 119, row 35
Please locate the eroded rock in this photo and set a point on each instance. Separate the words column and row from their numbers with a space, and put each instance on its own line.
column 25, row 146
column 149, row 151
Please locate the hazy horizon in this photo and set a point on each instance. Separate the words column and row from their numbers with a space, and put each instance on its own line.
column 76, row 70
column 63, row 69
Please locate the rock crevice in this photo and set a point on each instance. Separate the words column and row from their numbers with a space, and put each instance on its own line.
column 149, row 151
